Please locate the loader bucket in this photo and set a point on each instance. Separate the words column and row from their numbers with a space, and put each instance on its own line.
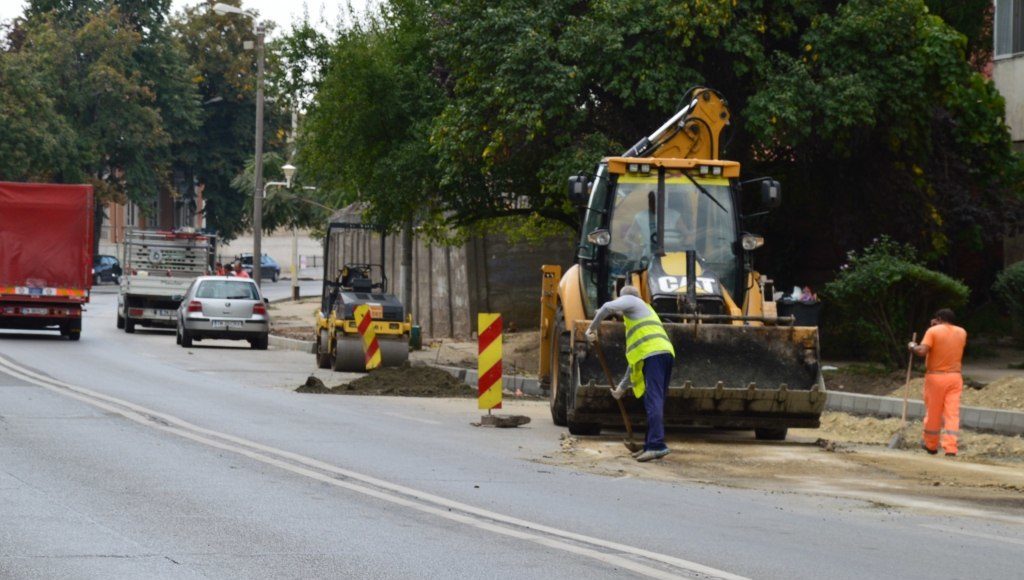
column 724, row 375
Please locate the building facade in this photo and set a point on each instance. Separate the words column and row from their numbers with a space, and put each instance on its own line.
column 1008, row 76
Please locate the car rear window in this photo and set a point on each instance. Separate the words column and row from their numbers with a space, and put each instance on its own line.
column 227, row 290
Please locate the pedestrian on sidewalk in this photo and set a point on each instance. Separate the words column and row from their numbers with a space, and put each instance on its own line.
column 238, row 272
column 943, row 348
column 650, row 355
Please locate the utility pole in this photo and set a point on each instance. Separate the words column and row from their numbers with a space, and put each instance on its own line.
column 257, row 200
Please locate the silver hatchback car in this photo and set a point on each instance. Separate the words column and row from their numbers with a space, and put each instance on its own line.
column 223, row 307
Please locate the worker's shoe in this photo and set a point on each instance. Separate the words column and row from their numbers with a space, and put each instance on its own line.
column 653, row 454
column 636, row 454
column 948, row 454
column 930, row 451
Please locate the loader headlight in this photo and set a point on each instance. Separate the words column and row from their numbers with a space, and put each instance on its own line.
column 716, row 170
column 751, row 242
column 599, row 237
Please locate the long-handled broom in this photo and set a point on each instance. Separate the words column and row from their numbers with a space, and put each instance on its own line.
column 900, row 435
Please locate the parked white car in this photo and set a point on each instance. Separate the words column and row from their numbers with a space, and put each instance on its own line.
column 223, row 307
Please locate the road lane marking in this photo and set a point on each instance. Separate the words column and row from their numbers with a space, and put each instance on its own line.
column 417, row 419
column 466, row 514
column 982, row 535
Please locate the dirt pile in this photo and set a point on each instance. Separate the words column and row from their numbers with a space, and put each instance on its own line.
column 863, row 379
column 849, row 429
column 404, row 381
column 1006, row 393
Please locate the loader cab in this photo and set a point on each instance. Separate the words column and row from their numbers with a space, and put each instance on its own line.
column 702, row 217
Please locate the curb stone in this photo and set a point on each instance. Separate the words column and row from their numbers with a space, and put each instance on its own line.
column 283, row 343
column 977, row 418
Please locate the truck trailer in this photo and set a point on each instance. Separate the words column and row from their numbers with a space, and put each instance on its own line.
column 46, row 252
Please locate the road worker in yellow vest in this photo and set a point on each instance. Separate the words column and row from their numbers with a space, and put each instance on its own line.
column 650, row 354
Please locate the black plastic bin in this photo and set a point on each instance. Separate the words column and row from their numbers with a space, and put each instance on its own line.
column 806, row 313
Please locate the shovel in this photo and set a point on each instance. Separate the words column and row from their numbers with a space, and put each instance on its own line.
column 900, row 435
column 630, row 444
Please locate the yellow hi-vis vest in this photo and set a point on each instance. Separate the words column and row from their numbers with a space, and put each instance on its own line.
column 644, row 337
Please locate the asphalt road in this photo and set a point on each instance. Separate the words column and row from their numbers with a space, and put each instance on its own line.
column 125, row 456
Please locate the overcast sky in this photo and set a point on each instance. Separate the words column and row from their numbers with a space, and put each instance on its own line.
column 283, row 12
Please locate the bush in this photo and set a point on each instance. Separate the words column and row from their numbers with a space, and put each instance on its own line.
column 883, row 294
column 1009, row 288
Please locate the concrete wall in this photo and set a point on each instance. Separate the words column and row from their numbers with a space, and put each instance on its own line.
column 1008, row 75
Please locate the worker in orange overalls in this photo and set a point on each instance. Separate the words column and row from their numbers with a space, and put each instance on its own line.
column 943, row 349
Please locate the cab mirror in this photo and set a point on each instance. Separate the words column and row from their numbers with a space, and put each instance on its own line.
column 579, row 190
column 771, row 193
column 599, row 237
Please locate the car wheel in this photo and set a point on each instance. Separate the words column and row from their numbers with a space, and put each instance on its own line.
column 260, row 343
column 129, row 325
column 186, row 338
column 120, row 321
column 96, row 279
column 275, row 276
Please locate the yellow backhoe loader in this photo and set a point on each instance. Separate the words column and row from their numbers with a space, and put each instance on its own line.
column 665, row 217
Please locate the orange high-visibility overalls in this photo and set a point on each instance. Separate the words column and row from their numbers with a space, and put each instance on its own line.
column 943, row 385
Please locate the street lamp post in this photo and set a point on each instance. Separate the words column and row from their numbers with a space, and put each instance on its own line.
column 259, row 190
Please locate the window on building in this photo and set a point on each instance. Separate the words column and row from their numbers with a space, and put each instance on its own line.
column 1009, row 27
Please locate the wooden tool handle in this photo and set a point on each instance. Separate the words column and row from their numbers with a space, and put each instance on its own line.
column 906, row 387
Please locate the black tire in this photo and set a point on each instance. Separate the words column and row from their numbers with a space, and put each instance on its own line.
column 260, row 343
column 275, row 276
column 177, row 335
column 323, row 350
column 75, row 330
column 770, row 434
column 186, row 338
column 558, row 395
column 129, row 325
column 120, row 321
column 96, row 279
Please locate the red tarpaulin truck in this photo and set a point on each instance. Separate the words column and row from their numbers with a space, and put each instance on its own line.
column 46, row 235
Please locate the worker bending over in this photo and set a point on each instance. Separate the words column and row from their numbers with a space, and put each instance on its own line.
column 943, row 348
column 650, row 354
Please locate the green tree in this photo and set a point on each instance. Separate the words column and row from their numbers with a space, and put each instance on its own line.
column 282, row 208
column 225, row 77
column 366, row 134
column 869, row 110
column 39, row 144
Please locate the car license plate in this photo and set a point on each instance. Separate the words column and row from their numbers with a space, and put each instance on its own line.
column 161, row 312
column 35, row 311
column 227, row 323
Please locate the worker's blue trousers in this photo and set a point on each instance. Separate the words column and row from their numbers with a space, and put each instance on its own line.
column 657, row 373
